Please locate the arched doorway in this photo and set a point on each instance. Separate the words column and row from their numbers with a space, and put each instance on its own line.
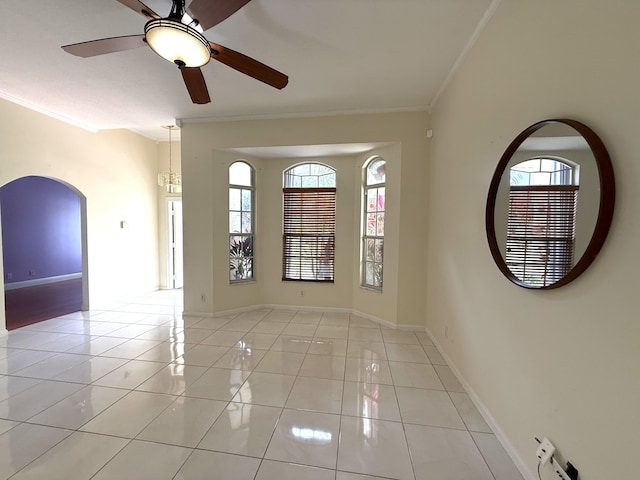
column 43, row 250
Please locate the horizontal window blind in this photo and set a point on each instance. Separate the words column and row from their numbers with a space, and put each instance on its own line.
column 541, row 232
column 308, row 240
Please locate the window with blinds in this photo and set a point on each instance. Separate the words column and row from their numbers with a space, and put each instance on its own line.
column 309, row 224
column 541, row 228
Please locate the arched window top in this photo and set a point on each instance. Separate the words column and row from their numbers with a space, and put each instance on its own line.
column 310, row 175
column 373, row 216
column 241, row 173
column 241, row 221
column 376, row 171
column 543, row 171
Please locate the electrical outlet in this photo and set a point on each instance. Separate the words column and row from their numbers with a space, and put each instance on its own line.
column 559, row 471
column 545, row 451
column 302, row 293
column 572, row 472
column 203, row 297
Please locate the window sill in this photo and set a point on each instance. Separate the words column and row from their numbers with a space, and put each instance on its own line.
column 371, row 289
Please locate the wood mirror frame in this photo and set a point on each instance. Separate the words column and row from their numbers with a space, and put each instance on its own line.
column 605, row 209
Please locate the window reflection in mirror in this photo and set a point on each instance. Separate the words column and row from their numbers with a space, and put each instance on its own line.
column 541, row 220
column 540, row 232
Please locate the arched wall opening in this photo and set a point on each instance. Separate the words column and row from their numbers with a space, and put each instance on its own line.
column 44, row 250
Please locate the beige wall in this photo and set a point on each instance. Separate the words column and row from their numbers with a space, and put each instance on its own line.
column 562, row 363
column 205, row 160
column 115, row 171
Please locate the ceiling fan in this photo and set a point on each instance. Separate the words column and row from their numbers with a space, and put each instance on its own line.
column 179, row 39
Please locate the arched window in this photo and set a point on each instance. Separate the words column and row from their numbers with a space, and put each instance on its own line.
column 241, row 221
column 541, row 228
column 309, row 223
column 372, row 251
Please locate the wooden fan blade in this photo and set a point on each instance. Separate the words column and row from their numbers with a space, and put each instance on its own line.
column 196, row 86
column 140, row 8
column 105, row 45
column 249, row 66
column 212, row 12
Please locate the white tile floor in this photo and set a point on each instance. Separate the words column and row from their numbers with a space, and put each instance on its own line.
column 134, row 391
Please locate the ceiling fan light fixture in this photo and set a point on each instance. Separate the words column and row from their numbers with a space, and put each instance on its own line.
column 177, row 42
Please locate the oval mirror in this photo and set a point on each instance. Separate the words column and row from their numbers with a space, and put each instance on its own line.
column 550, row 204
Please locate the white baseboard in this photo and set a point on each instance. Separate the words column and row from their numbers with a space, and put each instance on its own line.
column 271, row 306
column 41, row 281
column 388, row 324
column 499, row 433
column 186, row 313
column 306, row 309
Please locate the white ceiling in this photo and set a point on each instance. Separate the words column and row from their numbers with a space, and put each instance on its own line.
column 574, row 142
column 341, row 56
column 308, row 151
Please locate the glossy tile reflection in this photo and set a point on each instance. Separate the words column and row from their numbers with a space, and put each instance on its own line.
column 316, row 394
column 79, row 456
column 77, row 409
column 271, row 389
column 184, row 422
column 167, row 460
column 307, row 438
column 243, row 429
column 270, row 470
column 173, row 379
column 436, row 453
column 217, row 466
column 370, row 400
column 136, row 391
column 25, row 443
column 374, row 447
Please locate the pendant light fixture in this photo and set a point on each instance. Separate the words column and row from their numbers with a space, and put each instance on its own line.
column 170, row 180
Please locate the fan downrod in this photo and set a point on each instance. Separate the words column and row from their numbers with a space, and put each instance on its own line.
column 177, row 10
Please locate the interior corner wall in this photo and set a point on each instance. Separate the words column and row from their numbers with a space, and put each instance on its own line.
column 197, row 218
column 116, row 171
column 201, row 147
column 558, row 363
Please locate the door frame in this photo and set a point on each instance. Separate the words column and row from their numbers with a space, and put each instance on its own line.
column 173, row 281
